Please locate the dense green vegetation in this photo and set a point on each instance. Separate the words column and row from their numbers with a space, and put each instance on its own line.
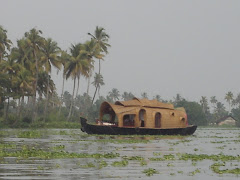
column 28, row 95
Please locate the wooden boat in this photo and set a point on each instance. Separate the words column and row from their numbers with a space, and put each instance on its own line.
column 141, row 117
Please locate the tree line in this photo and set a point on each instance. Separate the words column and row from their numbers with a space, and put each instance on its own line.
column 25, row 73
column 28, row 95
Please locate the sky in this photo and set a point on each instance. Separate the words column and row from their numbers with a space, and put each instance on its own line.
column 161, row 47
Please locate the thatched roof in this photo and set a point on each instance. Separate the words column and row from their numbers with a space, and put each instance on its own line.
column 144, row 103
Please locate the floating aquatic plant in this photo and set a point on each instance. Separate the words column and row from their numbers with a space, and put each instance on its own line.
column 150, row 171
column 216, row 168
column 122, row 163
column 29, row 134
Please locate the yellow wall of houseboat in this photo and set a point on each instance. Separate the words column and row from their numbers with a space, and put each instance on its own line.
column 169, row 118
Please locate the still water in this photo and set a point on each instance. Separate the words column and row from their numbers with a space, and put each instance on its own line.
column 72, row 154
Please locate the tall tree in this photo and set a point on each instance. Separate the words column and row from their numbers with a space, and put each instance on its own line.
column 236, row 101
column 100, row 38
column 213, row 100
column 157, row 97
column 24, row 81
column 127, row 96
column 204, row 104
column 10, row 68
column 114, row 94
column 78, row 65
column 49, row 58
column 144, row 95
column 89, row 48
column 5, row 43
column 35, row 42
column 229, row 98
column 98, row 82
column 64, row 58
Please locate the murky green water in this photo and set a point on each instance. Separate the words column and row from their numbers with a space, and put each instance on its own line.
column 211, row 153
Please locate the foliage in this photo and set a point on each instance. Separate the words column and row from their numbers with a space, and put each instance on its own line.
column 28, row 95
column 194, row 112
column 150, row 171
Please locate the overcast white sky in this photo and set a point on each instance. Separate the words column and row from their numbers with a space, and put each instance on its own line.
column 159, row 47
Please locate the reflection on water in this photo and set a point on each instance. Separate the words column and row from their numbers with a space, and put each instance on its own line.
column 141, row 152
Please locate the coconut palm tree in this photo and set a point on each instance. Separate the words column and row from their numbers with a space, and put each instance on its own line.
column 100, row 39
column 114, row 94
column 24, row 81
column 78, row 65
column 157, row 97
column 23, row 54
column 213, row 100
column 10, row 68
column 5, row 43
column 144, row 95
column 35, row 42
column 236, row 101
column 127, row 96
column 98, row 82
column 229, row 99
column 49, row 58
column 64, row 58
column 89, row 48
column 204, row 104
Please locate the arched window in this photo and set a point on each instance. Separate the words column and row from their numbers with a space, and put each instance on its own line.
column 129, row 120
column 142, row 117
column 158, row 120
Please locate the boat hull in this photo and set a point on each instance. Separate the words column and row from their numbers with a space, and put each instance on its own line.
column 114, row 130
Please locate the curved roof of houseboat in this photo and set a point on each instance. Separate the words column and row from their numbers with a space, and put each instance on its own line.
column 135, row 102
column 108, row 107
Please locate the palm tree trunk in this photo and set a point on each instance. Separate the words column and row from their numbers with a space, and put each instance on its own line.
column 7, row 108
column 46, row 103
column 99, row 68
column 34, row 113
column 88, row 85
column 19, row 107
column 70, row 111
column 98, row 91
column 77, row 86
column 94, row 95
column 59, row 112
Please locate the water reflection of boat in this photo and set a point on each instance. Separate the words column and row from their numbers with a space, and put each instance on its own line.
column 139, row 116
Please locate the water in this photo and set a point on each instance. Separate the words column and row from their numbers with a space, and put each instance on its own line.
column 208, row 141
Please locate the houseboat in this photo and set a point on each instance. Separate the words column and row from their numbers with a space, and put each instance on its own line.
column 139, row 116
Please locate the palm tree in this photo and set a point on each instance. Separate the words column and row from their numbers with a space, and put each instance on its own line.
column 100, row 39
column 35, row 42
column 213, row 100
column 157, row 97
column 64, row 58
column 23, row 54
column 5, row 43
column 229, row 98
column 98, row 82
column 10, row 68
column 236, row 101
column 89, row 48
column 204, row 104
column 127, row 96
column 114, row 94
column 49, row 58
column 78, row 65
column 24, row 82
column 144, row 95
